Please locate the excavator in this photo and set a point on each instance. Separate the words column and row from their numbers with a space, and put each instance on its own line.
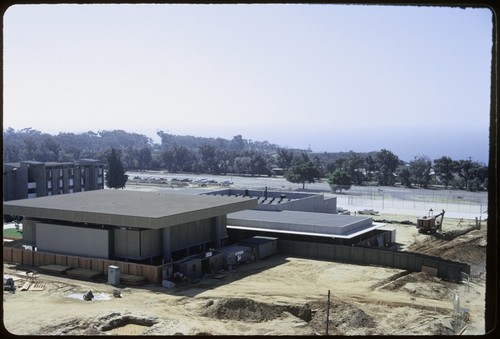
column 430, row 224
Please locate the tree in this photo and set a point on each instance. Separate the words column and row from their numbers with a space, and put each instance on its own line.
column 404, row 175
column 371, row 167
column 472, row 174
column 387, row 163
column 237, row 143
column 259, row 164
column 49, row 149
column 144, row 158
column 284, row 158
column 242, row 164
column 115, row 176
column 354, row 167
column 209, row 161
column 420, row 170
column 183, row 159
column 443, row 167
column 303, row 170
column 339, row 180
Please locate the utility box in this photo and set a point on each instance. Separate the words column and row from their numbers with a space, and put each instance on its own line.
column 113, row 275
column 263, row 247
column 234, row 255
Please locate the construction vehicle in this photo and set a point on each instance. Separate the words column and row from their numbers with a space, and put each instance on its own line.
column 430, row 223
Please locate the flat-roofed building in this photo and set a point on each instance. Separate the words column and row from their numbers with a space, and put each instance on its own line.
column 306, row 226
column 32, row 179
column 129, row 225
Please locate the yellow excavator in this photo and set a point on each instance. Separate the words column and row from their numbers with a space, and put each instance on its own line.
column 430, row 224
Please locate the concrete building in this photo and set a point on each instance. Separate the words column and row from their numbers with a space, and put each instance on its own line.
column 32, row 179
column 195, row 233
column 302, row 216
column 134, row 226
column 309, row 227
column 285, row 201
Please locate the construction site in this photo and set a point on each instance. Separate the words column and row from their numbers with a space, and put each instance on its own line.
column 261, row 288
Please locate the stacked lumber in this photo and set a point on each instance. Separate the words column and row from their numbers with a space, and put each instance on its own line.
column 37, row 286
column 129, row 279
column 54, row 268
column 83, row 273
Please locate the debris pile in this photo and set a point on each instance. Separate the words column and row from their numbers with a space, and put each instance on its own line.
column 420, row 284
column 242, row 309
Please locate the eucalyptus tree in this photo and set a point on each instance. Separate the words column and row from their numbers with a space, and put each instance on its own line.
column 387, row 163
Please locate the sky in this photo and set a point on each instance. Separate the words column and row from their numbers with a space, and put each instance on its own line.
column 413, row 80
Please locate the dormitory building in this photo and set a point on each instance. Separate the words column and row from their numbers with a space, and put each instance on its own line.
column 32, row 179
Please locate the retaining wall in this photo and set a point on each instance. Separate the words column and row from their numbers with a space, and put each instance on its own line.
column 447, row 269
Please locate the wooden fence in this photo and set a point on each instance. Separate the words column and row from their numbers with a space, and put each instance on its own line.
column 153, row 274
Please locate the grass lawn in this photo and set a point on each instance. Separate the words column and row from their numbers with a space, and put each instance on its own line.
column 12, row 233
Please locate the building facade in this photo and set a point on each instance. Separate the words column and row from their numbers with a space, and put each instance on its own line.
column 32, row 179
column 126, row 225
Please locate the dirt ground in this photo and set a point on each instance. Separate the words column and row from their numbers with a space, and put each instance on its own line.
column 276, row 296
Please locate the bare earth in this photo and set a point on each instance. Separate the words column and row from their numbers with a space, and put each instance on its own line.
column 277, row 296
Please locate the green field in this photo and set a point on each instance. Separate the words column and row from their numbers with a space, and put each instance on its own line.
column 12, row 233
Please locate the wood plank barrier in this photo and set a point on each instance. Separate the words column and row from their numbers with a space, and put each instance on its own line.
column 153, row 274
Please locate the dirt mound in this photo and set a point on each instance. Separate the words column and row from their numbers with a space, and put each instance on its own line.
column 243, row 309
column 344, row 319
column 418, row 284
column 97, row 326
column 469, row 248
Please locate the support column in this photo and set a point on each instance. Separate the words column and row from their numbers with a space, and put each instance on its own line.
column 217, row 222
column 167, row 254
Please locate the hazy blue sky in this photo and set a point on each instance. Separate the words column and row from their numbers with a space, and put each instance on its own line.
column 414, row 80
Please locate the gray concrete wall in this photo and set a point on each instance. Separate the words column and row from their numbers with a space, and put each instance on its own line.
column 136, row 244
column 192, row 233
column 80, row 241
column 29, row 232
column 374, row 256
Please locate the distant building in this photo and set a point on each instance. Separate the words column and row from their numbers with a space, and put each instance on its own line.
column 31, row 179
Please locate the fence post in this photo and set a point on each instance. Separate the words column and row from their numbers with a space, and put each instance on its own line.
column 328, row 312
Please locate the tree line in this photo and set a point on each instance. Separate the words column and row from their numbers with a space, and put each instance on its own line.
column 239, row 156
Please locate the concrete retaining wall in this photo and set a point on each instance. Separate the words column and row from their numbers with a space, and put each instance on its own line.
column 415, row 262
